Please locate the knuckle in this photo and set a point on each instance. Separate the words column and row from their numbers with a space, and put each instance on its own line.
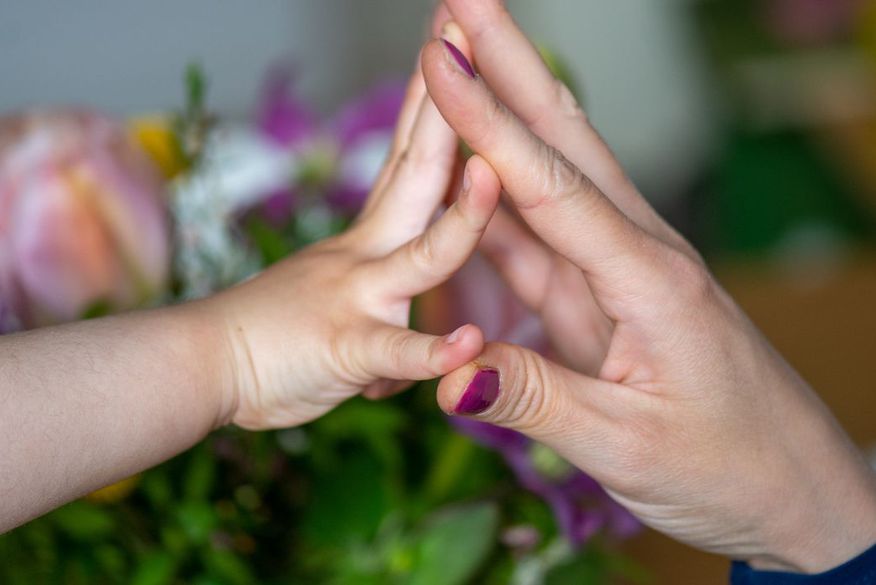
column 557, row 178
column 566, row 103
column 559, row 106
column 529, row 408
column 422, row 252
column 349, row 365
column 689, row 276
column 395, row 350
column 487, row 125
column 466, row 217
column 426, row 155
column 433, row 365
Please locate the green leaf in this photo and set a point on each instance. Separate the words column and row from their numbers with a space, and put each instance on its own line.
column 197, row 520
column 454, row 545
column 449, row 465
column 100, row 308
column 196, row 87
column 270, row 242
column 156, row 485
column 581, row 569
column 156, row 569
column 83, row 521
column 112, row 560
column 359, row 417
column 376, row 424
column 174, row 539
column 348, row 502
column 200, row 474
column 228, row 568
column 596, row 564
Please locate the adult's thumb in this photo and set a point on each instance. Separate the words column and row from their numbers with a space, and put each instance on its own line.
column 517, row 388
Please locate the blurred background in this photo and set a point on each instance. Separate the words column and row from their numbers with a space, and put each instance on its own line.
column 751, row 124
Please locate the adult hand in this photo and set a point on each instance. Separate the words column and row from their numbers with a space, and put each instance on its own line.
column 673, row 400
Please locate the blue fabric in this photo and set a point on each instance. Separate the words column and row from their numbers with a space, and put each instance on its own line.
column 861, row 570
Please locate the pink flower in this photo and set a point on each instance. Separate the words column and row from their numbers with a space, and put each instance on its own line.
column 81, row 219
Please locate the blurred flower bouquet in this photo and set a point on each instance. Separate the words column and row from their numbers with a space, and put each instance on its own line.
column 98, row 217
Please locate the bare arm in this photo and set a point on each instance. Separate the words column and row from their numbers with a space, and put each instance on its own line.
column 87, row 404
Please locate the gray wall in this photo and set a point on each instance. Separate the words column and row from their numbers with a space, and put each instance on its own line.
column 635, row 60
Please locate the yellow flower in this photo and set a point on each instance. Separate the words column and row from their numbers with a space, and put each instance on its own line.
column 115, row 492
column 155, row 136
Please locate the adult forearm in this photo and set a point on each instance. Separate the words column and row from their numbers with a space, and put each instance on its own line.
column 86, row 404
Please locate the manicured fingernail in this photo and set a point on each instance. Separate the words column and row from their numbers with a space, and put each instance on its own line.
column 480, row 394
column 454, row 337
column 460, row 59
column 466, row 180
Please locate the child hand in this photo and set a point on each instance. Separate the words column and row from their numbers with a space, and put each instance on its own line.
column 332, row 321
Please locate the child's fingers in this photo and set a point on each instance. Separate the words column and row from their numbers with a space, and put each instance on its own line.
column 418, row 177
column 440, row 17
column 435, row 255
column 416, row 91
column 418, row 183
column 408, row 114
column 395, row 353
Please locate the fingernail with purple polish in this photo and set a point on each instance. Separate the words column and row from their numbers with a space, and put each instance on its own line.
column 480, row 394
column 460, row 59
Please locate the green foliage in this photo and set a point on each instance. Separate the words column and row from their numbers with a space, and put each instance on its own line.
column 454, row 544
column 100, row 308
column 360, row 496
column 373, row 493
column 596, row 565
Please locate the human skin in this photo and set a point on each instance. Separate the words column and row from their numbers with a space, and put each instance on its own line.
column 667, row 394
column 86, row 404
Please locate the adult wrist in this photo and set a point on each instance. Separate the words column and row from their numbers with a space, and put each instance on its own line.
column 825, row 522
column 859, row 570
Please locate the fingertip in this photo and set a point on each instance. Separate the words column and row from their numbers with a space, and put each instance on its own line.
column 443, row 63
column 433, row 60
column 475, row 15
column 453, row 33
column 481, row 188
column 452, row 386
column 484, row 176
column 439, row 19
column 464, row 343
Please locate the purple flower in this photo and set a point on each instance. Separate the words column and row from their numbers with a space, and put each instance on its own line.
column 580, row 505
column 281, row 116
column 340, row 158
column 810, row 22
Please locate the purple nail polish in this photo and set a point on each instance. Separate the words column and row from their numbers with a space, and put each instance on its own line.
column 460, row 59
column 480, row 394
